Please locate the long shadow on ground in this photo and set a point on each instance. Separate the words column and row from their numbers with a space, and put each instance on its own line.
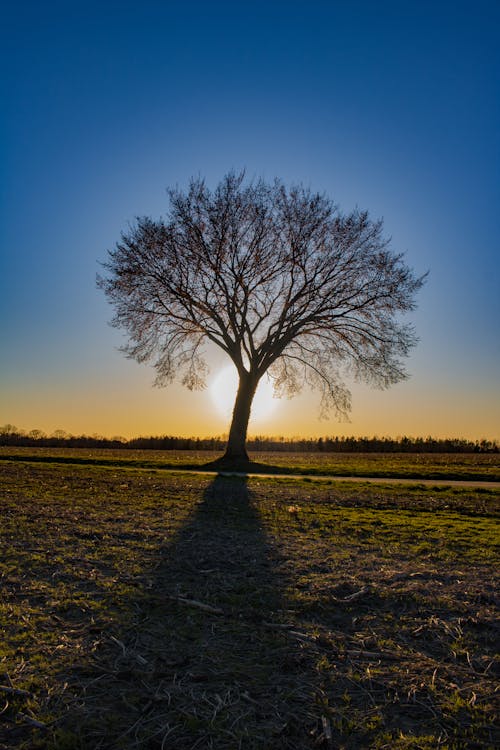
column 157, row 611
column 217, row 466
column 202, row 662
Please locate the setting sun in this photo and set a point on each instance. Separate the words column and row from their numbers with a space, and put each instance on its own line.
column 223, row 392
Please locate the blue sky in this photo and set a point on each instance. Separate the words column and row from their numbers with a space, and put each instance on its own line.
column 389, row 106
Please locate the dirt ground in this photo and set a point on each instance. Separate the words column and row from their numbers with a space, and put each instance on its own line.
column 146, row 610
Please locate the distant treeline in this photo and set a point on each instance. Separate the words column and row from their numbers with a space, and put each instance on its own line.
column 10, row 435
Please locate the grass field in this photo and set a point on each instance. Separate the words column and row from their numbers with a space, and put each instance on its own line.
column 144, row 609
column 476, row 466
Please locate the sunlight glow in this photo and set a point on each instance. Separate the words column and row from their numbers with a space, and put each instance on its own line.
column 223, row 392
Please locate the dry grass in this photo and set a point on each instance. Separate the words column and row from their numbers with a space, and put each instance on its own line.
column 473, row 466
column 144, row 610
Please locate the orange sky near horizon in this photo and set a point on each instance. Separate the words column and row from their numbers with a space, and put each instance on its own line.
column 125, row 403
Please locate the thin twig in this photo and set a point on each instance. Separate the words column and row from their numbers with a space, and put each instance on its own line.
column 32, row 722
column 15, row 691
column 198, row 605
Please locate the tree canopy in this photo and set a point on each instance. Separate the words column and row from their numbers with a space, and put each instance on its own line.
column 278, row 278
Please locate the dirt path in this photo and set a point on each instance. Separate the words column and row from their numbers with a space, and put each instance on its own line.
column 336, row 478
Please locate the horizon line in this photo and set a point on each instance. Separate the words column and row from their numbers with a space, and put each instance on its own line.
column 61, row 434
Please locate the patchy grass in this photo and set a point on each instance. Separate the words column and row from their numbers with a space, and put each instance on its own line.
column 472, row 466
column 403, row 465
column 148, row 610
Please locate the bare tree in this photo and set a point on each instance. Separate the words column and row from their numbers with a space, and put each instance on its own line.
column 278, row 278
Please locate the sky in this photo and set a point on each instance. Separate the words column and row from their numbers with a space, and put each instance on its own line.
column 387, row 106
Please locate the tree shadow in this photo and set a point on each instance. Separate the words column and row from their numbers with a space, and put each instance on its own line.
column 201, row 657
column 224, row 465
column 218, row 465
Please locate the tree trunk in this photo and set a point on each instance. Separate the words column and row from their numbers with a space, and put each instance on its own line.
column 236, row 445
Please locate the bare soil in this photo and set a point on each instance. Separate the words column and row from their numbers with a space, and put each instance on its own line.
column 148, row 610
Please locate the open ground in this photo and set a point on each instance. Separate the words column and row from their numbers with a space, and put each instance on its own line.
column 149, row 609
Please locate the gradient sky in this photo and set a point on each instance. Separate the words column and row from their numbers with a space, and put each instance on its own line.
column 389, row 106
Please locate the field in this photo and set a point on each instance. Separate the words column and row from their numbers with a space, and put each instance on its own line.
column 479, row 467
column 150, row 609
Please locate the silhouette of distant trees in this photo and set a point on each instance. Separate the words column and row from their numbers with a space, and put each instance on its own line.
column 11, row 435
column 277, row 278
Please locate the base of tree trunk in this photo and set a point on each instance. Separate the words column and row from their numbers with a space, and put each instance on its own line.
column 232, row 462
column 237, row 462
column 240, row 455
column 242, row 466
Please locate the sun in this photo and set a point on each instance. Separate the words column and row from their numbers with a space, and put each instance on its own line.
column 223, row 392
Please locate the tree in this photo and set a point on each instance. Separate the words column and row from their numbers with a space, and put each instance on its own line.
column 277, row 278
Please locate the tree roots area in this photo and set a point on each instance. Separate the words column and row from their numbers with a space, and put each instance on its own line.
column 150, row 610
